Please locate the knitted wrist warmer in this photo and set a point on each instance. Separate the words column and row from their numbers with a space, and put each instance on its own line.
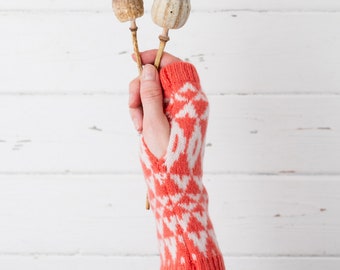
column 175, row 189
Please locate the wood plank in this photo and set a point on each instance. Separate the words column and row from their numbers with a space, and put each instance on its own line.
column 94, row 215
column 197, row 5
column 236, row 53
column 146, row 263
column 246, row 134
column 37, row 262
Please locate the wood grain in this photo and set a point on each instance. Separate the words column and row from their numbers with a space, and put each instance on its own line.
column 253, row 53
column 246, row 134
column 146, row 263
column 104, row 215
column 71, row 190
column 315, row 5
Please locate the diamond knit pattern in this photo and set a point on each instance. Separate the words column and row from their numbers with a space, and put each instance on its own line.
column 176, row 193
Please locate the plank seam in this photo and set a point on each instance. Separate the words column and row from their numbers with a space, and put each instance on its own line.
column 124, row 93
column 207, row 173
column 136, row 255
column 241, row 10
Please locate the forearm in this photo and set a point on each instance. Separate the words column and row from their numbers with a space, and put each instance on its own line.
column 176, row 193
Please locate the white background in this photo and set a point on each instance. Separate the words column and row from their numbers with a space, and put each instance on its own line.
column 71, row 189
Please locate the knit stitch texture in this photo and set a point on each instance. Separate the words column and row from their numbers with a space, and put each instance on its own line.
column 176, row 193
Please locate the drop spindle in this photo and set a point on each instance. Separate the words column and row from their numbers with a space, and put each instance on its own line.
column 168, row 14
column 130, row 10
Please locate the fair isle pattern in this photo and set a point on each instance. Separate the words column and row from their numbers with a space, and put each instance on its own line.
column 175, row 189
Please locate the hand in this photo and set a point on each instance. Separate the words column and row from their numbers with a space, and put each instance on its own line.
column 146, row 104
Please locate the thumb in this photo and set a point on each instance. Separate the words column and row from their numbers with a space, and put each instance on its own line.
column 156, row 128
column 151, row 92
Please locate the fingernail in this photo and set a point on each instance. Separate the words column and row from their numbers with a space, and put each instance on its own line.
column 149, row 73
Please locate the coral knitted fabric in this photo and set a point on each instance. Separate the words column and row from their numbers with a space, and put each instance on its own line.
column 177, row 196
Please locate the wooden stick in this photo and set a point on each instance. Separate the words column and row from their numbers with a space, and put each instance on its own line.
column 133, row 29
column 147, row 203
column 163, row 38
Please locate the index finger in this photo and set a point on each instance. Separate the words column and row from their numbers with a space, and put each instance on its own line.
column 148, row 57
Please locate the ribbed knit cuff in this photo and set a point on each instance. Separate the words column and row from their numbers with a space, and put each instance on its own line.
column 175, row 75
column 209, row 263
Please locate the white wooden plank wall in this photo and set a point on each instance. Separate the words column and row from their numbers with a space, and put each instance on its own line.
column 71, row 190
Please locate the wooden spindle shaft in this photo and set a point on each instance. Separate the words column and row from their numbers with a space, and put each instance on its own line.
column 163, row 39
column 147, row 203
column 133, row 29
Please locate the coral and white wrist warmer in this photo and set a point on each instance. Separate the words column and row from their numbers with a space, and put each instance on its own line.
column 175, row 190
